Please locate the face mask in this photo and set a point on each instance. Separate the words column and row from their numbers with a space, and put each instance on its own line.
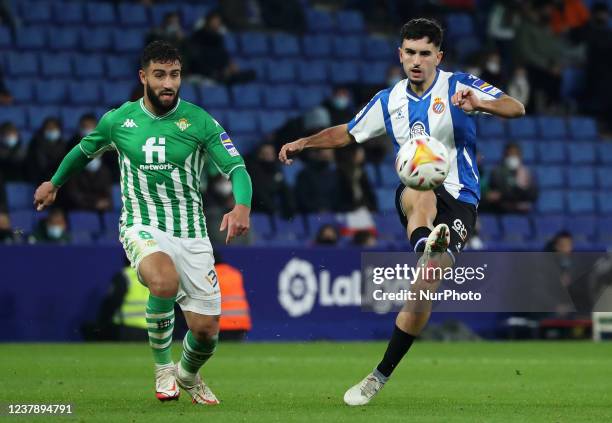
column 341, row 102
column 85, row 131
column 94, row 165
column 11, row 140
column 173, row 29
column 55, row 231
column 52, row 135
column 512, row 162
column 223, row 187
column 393, row 80
column 493, row 66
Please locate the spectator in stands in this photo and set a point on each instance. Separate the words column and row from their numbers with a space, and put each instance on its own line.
column 272, row 195
column 327, row 235
column 315, row 187
column 568, row 16
column 46, row 151
column 7, row 17
column 240, row 15
column 518, row 86
column 12, row 152
column 512, row 189
column 87, row 123
column 340, row 106
column 91, row 190
column 219, row 200
column 492, row 70
column 53, row 229
column 171, row 30
column 7, row 235
column 504, row 19
column 364, row 238
column 285, row 15
column 209, row 59
column 5, row 96
column 354, row 190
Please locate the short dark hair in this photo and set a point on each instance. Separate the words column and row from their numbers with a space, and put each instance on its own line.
column 161, row 52
column 418, row 28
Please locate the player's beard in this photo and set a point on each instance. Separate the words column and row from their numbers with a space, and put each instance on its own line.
column 157, row 103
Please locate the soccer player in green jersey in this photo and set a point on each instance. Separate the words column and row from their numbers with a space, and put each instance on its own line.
column 162, row 142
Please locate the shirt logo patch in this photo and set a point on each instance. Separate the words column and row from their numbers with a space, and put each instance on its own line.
column 417, row 129
column 399, row 114
column 129, row 123
column 485, row 87
column 182, row 124
column 438, row 105
column 227, row 143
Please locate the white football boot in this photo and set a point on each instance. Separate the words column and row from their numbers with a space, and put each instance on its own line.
column 438, row 240
column 364, row 391
column 166, row 388
column 199, row 391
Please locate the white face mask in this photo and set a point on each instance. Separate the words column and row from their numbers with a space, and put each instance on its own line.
column 341, row 102
column 11, row 140
column 53, row 135
column 94, row 165
column 223, row 187
column 512, row 162
column 55, row 231
column 85, row 131
column 493, row 66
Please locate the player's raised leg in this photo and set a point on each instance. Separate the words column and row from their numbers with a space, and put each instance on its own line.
column 198, row 346
column 158, row 273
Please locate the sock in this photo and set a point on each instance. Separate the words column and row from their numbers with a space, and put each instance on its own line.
column 418, row 238
column 398, row 347
column 195, row 354
column 160, row 324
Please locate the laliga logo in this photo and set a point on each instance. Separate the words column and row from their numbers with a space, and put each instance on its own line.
column 298, row 288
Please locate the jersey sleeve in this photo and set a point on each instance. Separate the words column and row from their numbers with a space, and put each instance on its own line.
column 370, row 121
column 482, row 89
column 99, row 140
column 220, row 148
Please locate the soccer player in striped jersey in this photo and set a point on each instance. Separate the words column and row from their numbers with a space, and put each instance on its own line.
column 439, row 222
column 162, row 142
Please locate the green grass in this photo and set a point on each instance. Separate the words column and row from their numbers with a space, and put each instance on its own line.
column 458, row 382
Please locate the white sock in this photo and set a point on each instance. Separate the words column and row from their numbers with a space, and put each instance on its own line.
column 163, row 366
column 184, row 375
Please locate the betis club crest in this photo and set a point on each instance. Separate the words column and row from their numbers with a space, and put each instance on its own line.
column 182, row 124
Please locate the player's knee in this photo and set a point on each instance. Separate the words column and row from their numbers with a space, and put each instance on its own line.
column 161, row 277
column 424, row 203
column 205, row 330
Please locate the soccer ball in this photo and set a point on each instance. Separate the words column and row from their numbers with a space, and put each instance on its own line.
column 422, row 163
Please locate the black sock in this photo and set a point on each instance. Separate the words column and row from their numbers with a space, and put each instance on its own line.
column 417, row 235
column 398, row 346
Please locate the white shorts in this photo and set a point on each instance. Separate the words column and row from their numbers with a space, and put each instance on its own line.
column 193, row 258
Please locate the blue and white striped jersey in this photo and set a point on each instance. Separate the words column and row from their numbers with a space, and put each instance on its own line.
column 400, row 113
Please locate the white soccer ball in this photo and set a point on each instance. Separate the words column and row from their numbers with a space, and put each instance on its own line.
column 422, row 163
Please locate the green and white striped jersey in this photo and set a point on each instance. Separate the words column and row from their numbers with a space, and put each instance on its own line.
column 161, row 160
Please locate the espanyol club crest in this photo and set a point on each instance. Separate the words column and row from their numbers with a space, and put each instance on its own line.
column 417, row 129
column 438, row 105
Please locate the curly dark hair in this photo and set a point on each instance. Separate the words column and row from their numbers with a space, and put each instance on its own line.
column 415, row 29
column 160, row 52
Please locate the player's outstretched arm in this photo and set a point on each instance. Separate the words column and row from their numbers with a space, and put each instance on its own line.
column 334, row 137
column 73, row 163
column 505, row 106
column 237, row 221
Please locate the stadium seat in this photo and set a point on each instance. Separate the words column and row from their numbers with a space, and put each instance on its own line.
column 65, row 39
column 491, row 127
column 57, row 65
column 68, row 12
column 491, row 151
column 6, row 39
column 459, row 25
column 489, row 227
column 352, row 21
column 128, row 40
column 261, row 225
column 347, row 47
column 316, row 220
column 605, row 153
column 121, row 67
column 22, row 64
column 50, row 91
column 604, row 177
column 22, row 221
column 189, row 93
column 344, row 72
column 88, row 66
column 279, row 71
column 551, row 152
column 115, row 93
column 256, row 64
column 319, row 21
column 242, row 121
column 133, row 15
column 270, row 121
column 317, row 46
column 289, row 230
column 389, row 226
column 100, row 13
column 580, row 202
column 110, row 222
column 310, row 97
column 312, row 71
column 583, row 128
column 246, row 96
column 373, row 73
column 583, row 228
column 467, row 47
column 38, row 114
column 96, row 39
column 84, row 93
column 116, row 195
column 388, row 176
column 547, row 226
column 373, row 175
column 22, row 91
column 278, row 97
column 284, row 45
column 516, row 228
column 522, row 128
column 604, row 203
column 378, row 48
column 572, row 83
column 19, row 195
column 581, row 153
column 254, row 44
column 81, row 238
column 581, row 177
column 549, row 176
column 230, row 40
column 193, row 12
column 35, row 12
column 70, row 117
column 552, row 128
column 214, row 96
column 31, row 38
column 386, row 199
column 84, row 221
column 551, row 202
column 159, row 11
column 528, row 150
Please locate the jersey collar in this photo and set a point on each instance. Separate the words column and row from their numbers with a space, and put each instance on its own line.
column 413, row 96
column 153, row 116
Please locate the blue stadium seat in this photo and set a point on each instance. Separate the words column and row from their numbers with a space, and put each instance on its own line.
column 583, row 228
column 312, row 71
column 242, row 121
column 352, row 21
column 378, row 48
column 22, row 221
column 116, row 195
column 605, row 203
column 189, row 93
column 389, row 227
column 386, row 199
column 65, row 38
column 38, row 114
column 580, row 202
column 290, row 230
column 191, row 13
column 68, row 12
column 84, row 221
column 467, row 47
column 279, row 97
column 549, row 176
column 516, row 227
column 552, row 128
column 551, row 152
column 604, row 231
column 291, row 172
column 319, row 21
column 347, row 47
column 116, row 93
column 254, row 44
column 84, row 92
column 245, row 142
column 315, row 221
column 281, row 71
column 230, row 41
column 261, row 225
column 547, row 226
column 121, row 67
column 57, row 65
column 159, row 11
column 132, row 15
column 373, row 174
column 81, row 238
column 388, row 175
column 70, row 117
column 50, row 91
column 21, row 90
column 19, row 195
column 284, row 45
column 373, row 73
column 551, row 202
column 581, row 153
column 214, row 96
column 604, row 177
column 88, row 66
column 522, row 128
column 491, row 151
column 15, row 114
column 246, row 96
column 258, row 65
column 6, row 39
column 110, row 222
column 317, row 46
column 310, row 97
column 491, row 127
column 100, row 13
column 96, row 39
column 345, row 72
column 605, row 153
column 128, row 40
column 528, row 150
column 459, row 25
column 35, row 12
column 489, row 227
column 31, row 38
column 271, row 121
column 572, row 83
column 22, row 64
column 583, row 128
column 581, row 177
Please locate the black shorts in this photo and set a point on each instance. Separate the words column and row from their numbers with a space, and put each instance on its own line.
column 458, row 215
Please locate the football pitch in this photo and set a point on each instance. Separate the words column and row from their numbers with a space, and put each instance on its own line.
column 281, row 382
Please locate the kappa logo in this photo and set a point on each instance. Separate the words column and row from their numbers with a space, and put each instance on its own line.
column 129, row 123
